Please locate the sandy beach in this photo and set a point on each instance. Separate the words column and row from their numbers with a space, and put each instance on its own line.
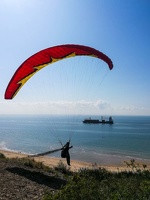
column 75, row 164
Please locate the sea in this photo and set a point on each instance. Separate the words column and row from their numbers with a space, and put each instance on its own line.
column 128, row 137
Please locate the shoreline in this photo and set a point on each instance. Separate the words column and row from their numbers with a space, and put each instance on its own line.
column 114, row 164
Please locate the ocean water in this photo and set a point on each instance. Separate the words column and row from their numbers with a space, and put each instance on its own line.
column 129, row 136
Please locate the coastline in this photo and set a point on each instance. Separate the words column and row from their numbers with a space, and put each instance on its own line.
column 114, row 164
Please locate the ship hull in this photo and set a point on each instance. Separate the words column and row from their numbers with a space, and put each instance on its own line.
column 95, row 121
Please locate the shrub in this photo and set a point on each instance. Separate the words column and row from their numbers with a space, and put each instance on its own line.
column 61, row 167
column 100, row 184
column 2, row 156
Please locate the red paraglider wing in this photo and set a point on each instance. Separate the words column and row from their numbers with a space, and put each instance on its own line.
column 48, row 56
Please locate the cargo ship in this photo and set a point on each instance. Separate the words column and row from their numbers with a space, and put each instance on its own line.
column 97, row 121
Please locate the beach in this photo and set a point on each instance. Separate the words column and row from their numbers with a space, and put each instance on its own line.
column 119, row 165
column 94, row 146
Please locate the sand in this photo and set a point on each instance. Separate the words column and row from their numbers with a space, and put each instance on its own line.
column 75, row 164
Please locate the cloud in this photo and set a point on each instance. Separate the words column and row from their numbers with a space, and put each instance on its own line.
column 55, row 107
column 131, row 110
column 82, row 107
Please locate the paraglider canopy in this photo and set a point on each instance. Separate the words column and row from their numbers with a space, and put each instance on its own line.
column 48, row 56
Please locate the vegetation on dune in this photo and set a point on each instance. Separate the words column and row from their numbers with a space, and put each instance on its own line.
column 99, row 184
column 2, row 156
column 95, row 184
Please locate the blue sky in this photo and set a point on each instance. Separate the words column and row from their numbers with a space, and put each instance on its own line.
column 120, row 29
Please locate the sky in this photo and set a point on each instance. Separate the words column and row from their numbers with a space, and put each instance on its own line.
column 120, row 29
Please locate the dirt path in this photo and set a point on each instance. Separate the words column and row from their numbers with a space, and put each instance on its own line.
column 18, row 182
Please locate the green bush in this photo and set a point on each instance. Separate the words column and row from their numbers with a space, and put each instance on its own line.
column 61, row 167
column 103, row 185
column 2, row 156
